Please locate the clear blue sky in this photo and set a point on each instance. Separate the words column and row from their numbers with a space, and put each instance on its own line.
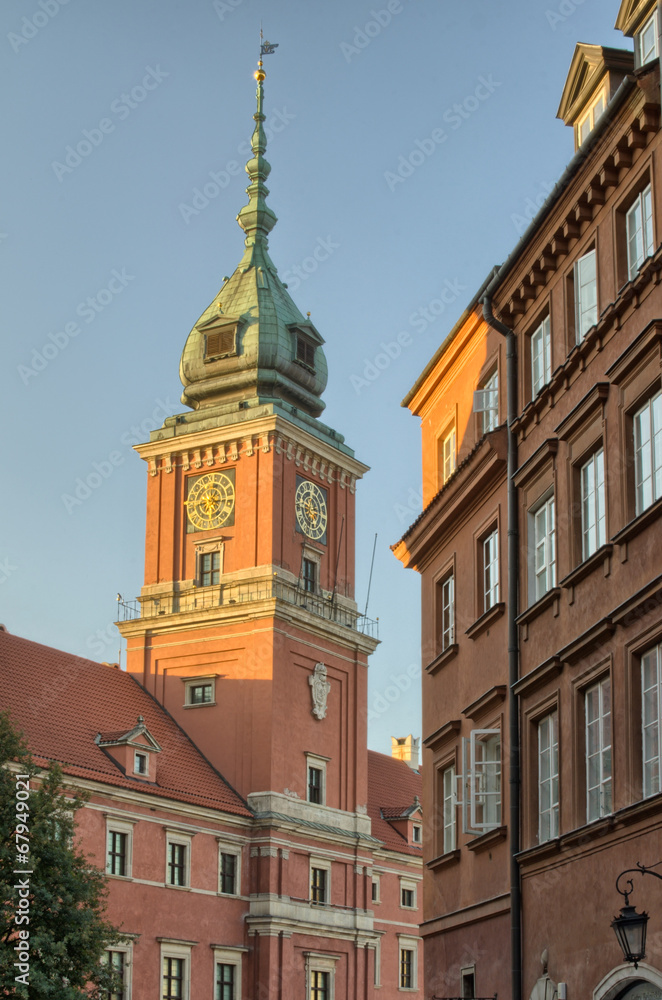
column 352, row 91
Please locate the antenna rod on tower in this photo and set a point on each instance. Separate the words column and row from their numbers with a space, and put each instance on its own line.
column 335, row 578
column 372, row 563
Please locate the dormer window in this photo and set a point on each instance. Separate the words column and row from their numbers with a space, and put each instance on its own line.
column 221, row 342
column 305, row 352
column 140, row 763
column 590, row 119
column 645, row 41
column 416, row 834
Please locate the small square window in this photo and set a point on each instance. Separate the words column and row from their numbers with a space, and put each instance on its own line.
column 201, row 694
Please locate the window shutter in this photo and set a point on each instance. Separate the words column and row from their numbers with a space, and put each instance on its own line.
column 221, row 342
column 305, row 352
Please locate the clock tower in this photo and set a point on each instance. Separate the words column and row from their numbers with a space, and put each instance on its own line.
column 247, row 629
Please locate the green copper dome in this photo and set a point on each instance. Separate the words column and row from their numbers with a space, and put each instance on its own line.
column 252, row 342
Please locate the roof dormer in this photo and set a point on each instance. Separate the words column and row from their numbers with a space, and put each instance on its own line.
column 133, row 751
column 639, row 19
column 595, row 75
column 406, row 820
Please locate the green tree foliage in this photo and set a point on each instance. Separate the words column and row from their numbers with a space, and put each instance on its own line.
column 57, row 889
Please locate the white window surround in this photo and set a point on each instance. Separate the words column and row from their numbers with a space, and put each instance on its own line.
column 408, row 943
column 193, row 682
column 639, row 231
column 449, row 809
column 125, row 826
column 647, row 431
column 377, row 881
column 227, row 847
column 490, row 551
column 317, row 961
column 377, row 948
column 480, row 781
column 541, row 356
column 127, row 951
column 542, row 548
column 548, row 777
column 651, row 703
column 594, row 521
column 175, row 949
column 318, row 762
column 447, row 611
column 597, row 708
column 586, row 294
column 589, row 120
column 227, row 955
column 175, row 837
column 417, row 833
column 206, row 548
column 645, row 41
column 468, row 980
column 408, row 886
column 141, row 763
column 449, row 454
column 325, row 865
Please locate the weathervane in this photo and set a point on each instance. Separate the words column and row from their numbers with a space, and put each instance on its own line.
column 266, row 48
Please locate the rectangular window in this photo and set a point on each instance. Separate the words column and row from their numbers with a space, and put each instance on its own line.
column 646, row 41
column 306, row 353
column 647, row 426
column 318, row 885
column 597, row 701
column 586, row 295
column 173, row 979
column 176, row 864
column 416, row 834
column 315, row 785
column 590, row 119
column 651, row 677
column 541, row 356
column 225, row 982
column 449, row 457
column 447, row 612
column 229, row 873
column 544, row 549
column 406, row 969
column 407, row 898
column 140, row 763
column 639, row 231
column 491, row 570
column 594, row 522
column 481, row 781
column 117, row 961
column 117, row 853
column 491, row 397
column 210, row 569
column 375, row 891
column 200, row 694
column 309, row 574
column 448, row 787
column 548, row 777
column 319, row 985
column 468, row 984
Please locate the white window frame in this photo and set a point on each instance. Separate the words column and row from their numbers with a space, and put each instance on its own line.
column 651, row 702
column 447, row 611
column 648, row 452
column 586, row 294
column 468, row 972
column 407, row 943
column 599, row 104
column 317, row 961
column 480, row 781
column 377, row 977
column 647, row 55
column 407, row 885
column 174, row 949
column 541, row 356
column 449, row 454
column 548, row 777
column 228, row 847
column 639, row 231
column 319, row 763
column 175, row 837
column 325, row 865
column 491, row 402
column 416, row 829
column 449, row 809
column 229, row 956
column 490, row 552
column 143, row 755
column 542, row 550
column 115, row 825
column 376, row 881
column 127, row 951
column 194, row 682
column 594, row 517
column 599, row 726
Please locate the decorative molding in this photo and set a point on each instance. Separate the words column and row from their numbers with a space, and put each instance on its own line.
column 486, row 703
column 319, row 690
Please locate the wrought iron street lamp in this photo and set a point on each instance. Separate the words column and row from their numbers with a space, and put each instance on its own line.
column 630, row 926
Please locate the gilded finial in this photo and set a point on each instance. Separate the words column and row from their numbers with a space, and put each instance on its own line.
column 256, row 218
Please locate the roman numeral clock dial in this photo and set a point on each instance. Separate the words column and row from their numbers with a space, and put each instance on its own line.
column 311, row 510
column 210, row 502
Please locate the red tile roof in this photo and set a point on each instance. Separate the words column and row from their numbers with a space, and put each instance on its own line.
column 392, row 786
column 61, row 702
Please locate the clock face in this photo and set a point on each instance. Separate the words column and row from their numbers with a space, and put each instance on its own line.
column 310, row 505
column 210, row 502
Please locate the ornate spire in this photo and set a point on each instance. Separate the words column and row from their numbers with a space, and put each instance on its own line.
column 256, row 219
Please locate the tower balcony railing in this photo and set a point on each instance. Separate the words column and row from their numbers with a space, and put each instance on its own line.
column 224, row 595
